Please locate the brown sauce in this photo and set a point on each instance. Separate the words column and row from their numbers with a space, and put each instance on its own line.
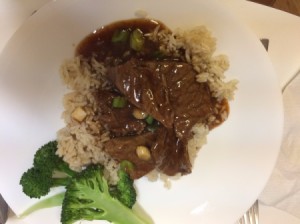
column 99, row 45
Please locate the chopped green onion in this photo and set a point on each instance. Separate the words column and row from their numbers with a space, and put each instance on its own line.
column 119, row 102
column 137, row 40
column 152, row 127
column 120, row 36
column 149, row 119
column 126, row 166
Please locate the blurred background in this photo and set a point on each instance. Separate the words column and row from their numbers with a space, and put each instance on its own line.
column 291, row 6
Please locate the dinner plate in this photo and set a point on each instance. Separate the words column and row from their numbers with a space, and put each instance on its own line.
column 230, row 170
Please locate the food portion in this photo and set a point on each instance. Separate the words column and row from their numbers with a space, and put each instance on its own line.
column 144, row 94
column 87, row 195
column 39, row 179
column 142, row 100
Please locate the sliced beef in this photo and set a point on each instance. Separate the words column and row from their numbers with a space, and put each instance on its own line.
column 119, row 121
column 124, row 148
column 170, row 153
column 144, row 88
column 168, row 91
column 165, row 89
column 191, row 101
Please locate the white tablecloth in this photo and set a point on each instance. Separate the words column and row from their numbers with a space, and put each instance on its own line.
column 281, row 28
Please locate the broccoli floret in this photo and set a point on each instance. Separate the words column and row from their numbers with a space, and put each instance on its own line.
column 38, row 180
column 34, row 183
column 88, row 197
column 46, row 160
column 124, row 191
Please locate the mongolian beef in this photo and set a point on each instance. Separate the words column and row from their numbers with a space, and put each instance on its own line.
column 142, row 95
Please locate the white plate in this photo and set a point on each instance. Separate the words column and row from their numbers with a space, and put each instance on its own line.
column 231, row 169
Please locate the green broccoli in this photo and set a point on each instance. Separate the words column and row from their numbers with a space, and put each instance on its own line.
column 34, row 183
column 46, row 160
column 88, row 197
column 39, row 179
column 124, row 191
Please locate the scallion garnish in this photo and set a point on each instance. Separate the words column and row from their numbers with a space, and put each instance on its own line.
column 119, row 102
column 149, row 119
column 126, row 166
column 120, row 36
column 152, row 127
column 137, row 40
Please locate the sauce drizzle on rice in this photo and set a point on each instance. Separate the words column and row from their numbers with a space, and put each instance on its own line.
column 174, row 78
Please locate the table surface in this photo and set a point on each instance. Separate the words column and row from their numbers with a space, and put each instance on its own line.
column 281, row 28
